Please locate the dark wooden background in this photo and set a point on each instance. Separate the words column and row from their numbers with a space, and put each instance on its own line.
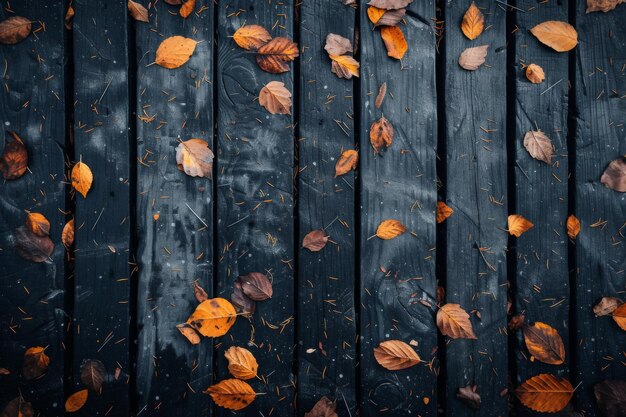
column 91, row 93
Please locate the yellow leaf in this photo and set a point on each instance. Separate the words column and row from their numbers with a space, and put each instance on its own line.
column 38, row 224
column 187, row 8
column 395, row 355
column 381, row 134
column 394, row 41
column 232, row 394
column 76, row 401
column 82, row 178
column 374, row 14
column 344, row 66
column 251, row 37
column 213, row 317
column 560, row 36
column 67, row 236
column 518, row 225
column 346, row 162
column 473, row 22
column 175, row 51
column 619, row 316
column 388, row 229
column 241, row 363
column 545, row 393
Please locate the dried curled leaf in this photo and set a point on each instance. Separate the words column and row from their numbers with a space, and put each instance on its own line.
column 189, row 333
column 472, row 58
column 69, row 16
column 274, row 56
column 344, row 66
column 518, row 225
column 560, row 36
column 199, row 293
column 395, row 355
column 381, row 134
column 187, row 8
column 389, row 229
column 36, row 363
column 602, row 5
column 619, row 316
column 14, row 159
column 469, row 395
column 390, row 4
column 275, row 98
column 443, row 211
column 535, row 74
column 337, row 45
column 194, row 158
column 251, row 37
column 213, row 317
column 382, row 17
column 256, row 286
column 14, row 29
column 454, row 322
column 323, row 408
column 606, row 306
column 614, row 175
column 241, row 363
column 473, row 22
column 347, row 162
column 18, row 407
column 516, row 322
column 138, row 11
column 82, row 178
column 544, row 343
column 573, row 226
column 32, row 247
column 538, row 145
column 315, row 240
column 92, row 374
column 382, row 92
column 394, row 41
column 38, row 224
column 76, row 401
column 545, row 393
column 175, row 51
column 67, row 236
column 611, row 397
column 232, row 394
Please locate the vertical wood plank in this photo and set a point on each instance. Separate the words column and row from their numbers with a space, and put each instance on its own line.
column 32, row 104
column 102, row 260
column 476, row 189
column 326, row 280
column 600, row 255
column 541, row 285
column 255, row 180
column 175, row 248
column 398, row 284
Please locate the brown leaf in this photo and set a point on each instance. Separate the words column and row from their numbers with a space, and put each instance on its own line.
column 472, row 58
column 545, row 393
column 194, row 158
column 274, row 56
column 560, row 36
column 242, row 303
column 76, row 401
column 390, row 4
column 323, row 408
column 516, row 322
column 189, row 333
column 200, row 293
column 473, row 22
column 382, row 17
column 213, row 317
column 315, row 240
column 382, row 91
column 395, row 355
column 573, row 226
column 187, row 8
column 92, row 374
column 275, row 98
column 443, row 211
column 17, row 407
column 602, row 5
column 256, row 286
column 538, row 145
column 32, row 247
column 138, row 11
column 14, row 29
column 469, row 394
column 381, row 134
column 518, row 225
column 389, row 229
column 174, row 2
column 241, row 363
column 606, row 306
column 347, row 162
column 251, row 37
column 614, row 175
column 175, row 51
column 69, row 16
column 535, row 74
column 232, row 394
column 344, row 66
column 544, row 343
column 394, row 41
column 36, row 363
column 38, row 224
column 14, row 159
column 619, row 316
column 4, row 371
column 82, row 178
column 611, row 397
column 337, row 45
column 454, row 322
column 67, row 236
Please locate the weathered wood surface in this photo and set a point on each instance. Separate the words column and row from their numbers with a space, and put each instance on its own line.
column 255, row 204
column 175, row 248
column 32, row 104
column 476, row 189
column 326, row 320
column 540, row 287
column 600, row 255
column 102, row 267
column 398, row 276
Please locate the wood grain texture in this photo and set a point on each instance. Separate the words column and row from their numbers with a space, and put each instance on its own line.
column 176, row 249
column 600, row 254
column 102, row 270
column 326, row 279
column 541, row 285
column 32, row 103
column 255, row 180
column 476, row 278
column 398, row 276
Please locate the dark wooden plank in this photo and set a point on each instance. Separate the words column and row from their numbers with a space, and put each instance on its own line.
column 398, row 276
column 541, row 285
column 600, row 254
column 175, row 250
column 102, row 270
column 327, row 278
column 255, row 230
column 32, row 103
column 476, row 189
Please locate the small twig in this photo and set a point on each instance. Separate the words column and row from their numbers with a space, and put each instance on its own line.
column 196, row 214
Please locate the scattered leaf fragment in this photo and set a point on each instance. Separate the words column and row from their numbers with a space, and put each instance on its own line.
column 38, row 224
column 602, row 5
column 606, row 306
column 472, row 58
column 194, row 158
column 76, row 401
column 518, row 225
column 233, row 394
column 213, row 317
column 614, row 175
column 67, row 236
column 274, row 56
column 443, row 211
column 473, row 22
column 138, row 11
column 394, row 41
column 323, row 408
column 275, row 98
column 381, row 134
column 389, row 229
column 454, row 322
column 14, row 159
column 315, row 240
column 32, row 247
column 347, row 162
column 611, row 397
column 69, row 16
column 538, row 145
column 516, row 322
column 573, row 226
column 189, row 333
column 256, row 286
column 14, row 29
column 544, row 343
column 200, row 293
column 545, row 393
column 82, row 178
column 241, row 362
column 93, row 374
column 382, row 91
column 251, row 37
column 469, row 394
column 395, row 355
column 187, row 8
column 390, row 4
column 619, row 316
column 175, row 51
column 535, row 74
column 560, row 36
column 36, row 363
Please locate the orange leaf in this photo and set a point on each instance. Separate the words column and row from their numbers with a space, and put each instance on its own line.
column 137, row 11
column 14, row 29
column 187, row 8
column 346, row 162
column 374, row 14
column 17, row 407
column 251, row 37
column 232, row 394
column 241, row 363
column 443, row 211
column 344, row 66
column 213, row 317
column 275, row 98
column 67, row 236
column 14, row 159
column 388, row 229
column 619, row 316
column 381, row 17
column 82, row 178
column 76, row 401
column 602, row 5
column 473, row 22
column 38, row 224
column 544, row 343
column 36, row 363
column 518, row 225
column 535, row 74
column 194, row 157
column 189, row 332
column 560, row 36
column 395, row 355
column 381, row 134
column 545, row 393
column 454, row 322
column 274, row 56
column 573, row 226
column 175, row 51
column 394, row 41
